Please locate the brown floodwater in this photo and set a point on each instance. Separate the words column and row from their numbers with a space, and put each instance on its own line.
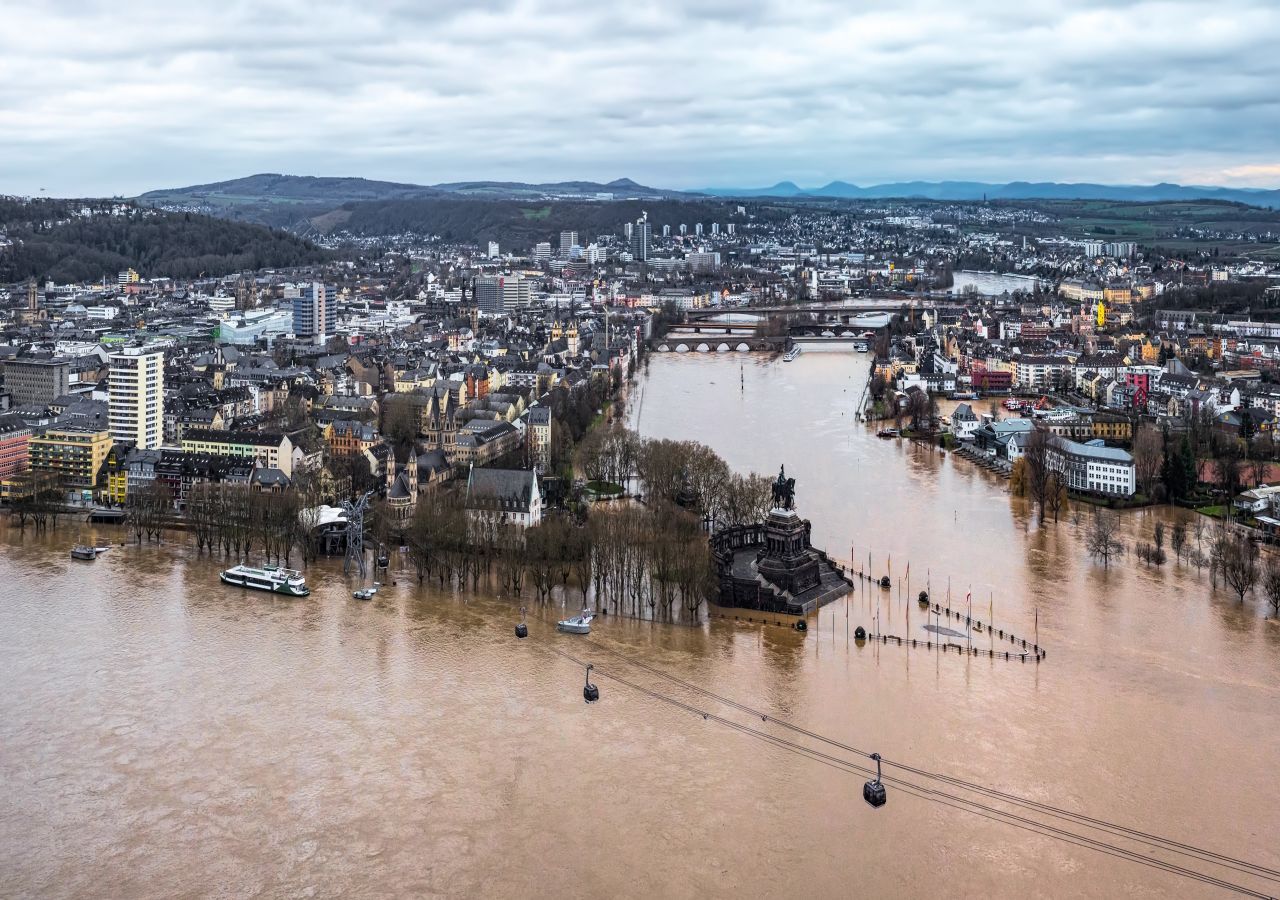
column 164, row 735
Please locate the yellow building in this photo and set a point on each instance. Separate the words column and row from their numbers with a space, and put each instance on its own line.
column 74, row 454
column 1112, row 428
column 116, row 487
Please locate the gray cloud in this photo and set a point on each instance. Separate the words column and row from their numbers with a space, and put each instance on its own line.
column 126, row 96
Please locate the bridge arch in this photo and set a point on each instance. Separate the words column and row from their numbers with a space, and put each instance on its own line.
column 703, row 348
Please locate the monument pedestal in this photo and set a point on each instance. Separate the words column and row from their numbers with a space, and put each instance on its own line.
column 771, row 566
column 788, row 562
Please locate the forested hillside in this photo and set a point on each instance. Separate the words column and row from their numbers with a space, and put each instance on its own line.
column 519, row 225
column 74, row 240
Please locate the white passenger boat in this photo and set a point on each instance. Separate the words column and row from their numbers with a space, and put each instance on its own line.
column 580, row 624
column 269, row 578
column 791, row 354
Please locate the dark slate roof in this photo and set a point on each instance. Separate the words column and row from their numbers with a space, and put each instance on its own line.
column 500, row 489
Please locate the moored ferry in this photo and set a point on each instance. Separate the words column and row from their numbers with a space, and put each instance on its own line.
column 268, row 578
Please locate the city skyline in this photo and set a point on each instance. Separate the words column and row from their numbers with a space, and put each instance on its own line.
column 102, row 100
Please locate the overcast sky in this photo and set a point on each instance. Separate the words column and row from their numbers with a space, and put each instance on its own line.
column 113, row 97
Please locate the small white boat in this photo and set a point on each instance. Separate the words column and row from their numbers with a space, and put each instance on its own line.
column 84, row 551
column 791, row 354
column 102, row 549
column 580, row 624
column 364, row 593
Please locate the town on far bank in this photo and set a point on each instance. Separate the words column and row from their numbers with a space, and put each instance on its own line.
column 453, row 382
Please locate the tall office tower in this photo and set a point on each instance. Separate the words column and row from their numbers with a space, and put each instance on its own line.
column 493, row 250
column 715, row 227
column 501, row 294
column 627, row 230
column 666, row 231
column 641, row 238
column 315, row 312
column 731, row 227
column 684, row 229
column 136, row 397
column 697, row 229
column 542, row 251
column 567, row 240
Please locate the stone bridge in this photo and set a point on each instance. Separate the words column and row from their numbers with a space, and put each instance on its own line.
column 737, row 343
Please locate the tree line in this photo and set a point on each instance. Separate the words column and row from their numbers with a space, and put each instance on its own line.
column 49, row 242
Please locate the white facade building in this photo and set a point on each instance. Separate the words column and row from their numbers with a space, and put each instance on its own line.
column 136, row 397
column 1094, row 467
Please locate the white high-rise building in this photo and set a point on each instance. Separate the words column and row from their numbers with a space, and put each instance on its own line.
column 136, row 394
column 715, row 227
column 542, row 251
column 697, row 229
column 493, row 250
column 567, row 240
column 684, row 229
column 730, row 226
column 666, row 231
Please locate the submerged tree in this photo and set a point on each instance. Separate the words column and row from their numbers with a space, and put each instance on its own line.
column 1271, row 583
column 1234, row 557
column 1101, row 539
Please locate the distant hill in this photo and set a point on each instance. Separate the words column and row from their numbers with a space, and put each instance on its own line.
column 1014, row 190
column 305, row 204
column 84, row 240
column 288, row 189
column 310, row 190
column 618, row 189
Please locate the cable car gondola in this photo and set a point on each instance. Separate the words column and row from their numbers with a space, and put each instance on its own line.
column 873, row 791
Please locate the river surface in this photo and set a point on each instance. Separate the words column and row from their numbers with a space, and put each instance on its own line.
column 991, row 284
column 163, row 735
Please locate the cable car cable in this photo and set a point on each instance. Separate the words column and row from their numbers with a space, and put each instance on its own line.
column 1168, row 844
column 932, row 794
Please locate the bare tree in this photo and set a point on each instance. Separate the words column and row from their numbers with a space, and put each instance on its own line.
column 1038, row 464
column 1148, row 455
column 1271, row 582
column 1101, row 540
column 1238, row 563
column 1178, row 538
column 1056, row 499
column 1228, row 455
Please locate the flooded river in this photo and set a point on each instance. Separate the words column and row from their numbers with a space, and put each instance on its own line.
column 163, row 735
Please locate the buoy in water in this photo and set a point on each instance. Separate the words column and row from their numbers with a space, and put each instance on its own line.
column 923, row 598
column 802, row 625
column 522, row 630
column 590, row 693
column 859, row 634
